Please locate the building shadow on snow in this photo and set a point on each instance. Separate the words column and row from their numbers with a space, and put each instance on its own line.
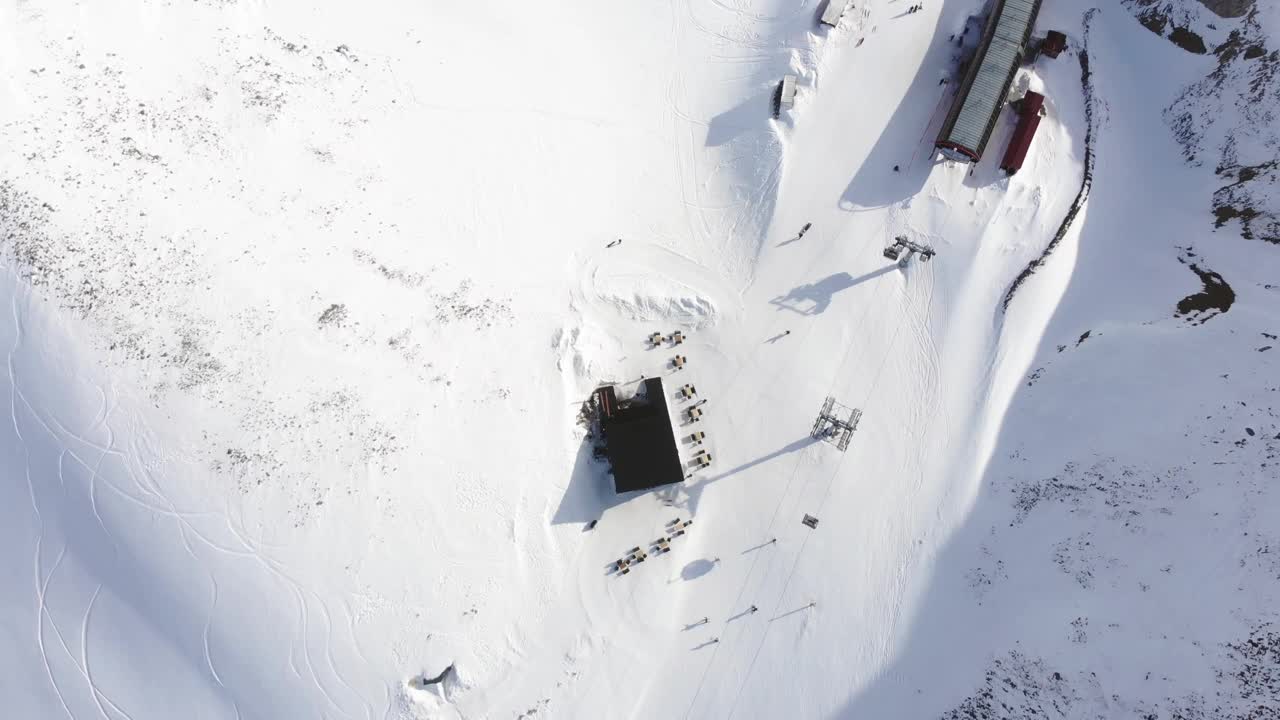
column 907, row 139
column 987, row 170
column 590, row 490
column 750, row 115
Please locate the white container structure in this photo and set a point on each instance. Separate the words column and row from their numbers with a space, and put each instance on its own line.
column 787, row 95
column 835, row 8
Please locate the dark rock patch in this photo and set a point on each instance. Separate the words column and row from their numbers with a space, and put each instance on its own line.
column 1215, row 298
column 1188, row 40
column 1238, row 200
column 335, row 314
column 1228, row 8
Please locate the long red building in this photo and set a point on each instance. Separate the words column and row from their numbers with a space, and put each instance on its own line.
column 1028, row 120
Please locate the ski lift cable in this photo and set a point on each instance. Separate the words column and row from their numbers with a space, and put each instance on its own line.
column 867, row 309
column 804, row 543
column 747, row 578
column 746, row 677
column 825, row 496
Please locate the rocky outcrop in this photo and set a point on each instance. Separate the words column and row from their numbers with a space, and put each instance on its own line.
column 1215, row 298
column 1173, row 20
column 1228, row 8
column 1230, row 118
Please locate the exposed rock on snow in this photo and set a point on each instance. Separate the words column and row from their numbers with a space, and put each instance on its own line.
column 1216, row 297
column 335, row 314
column 1016, row 686
column 1172, row 19
column 1247, row 674
column 1232, row 117
column 1228, row 8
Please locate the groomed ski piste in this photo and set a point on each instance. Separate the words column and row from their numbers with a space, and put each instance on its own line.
column 305, row 300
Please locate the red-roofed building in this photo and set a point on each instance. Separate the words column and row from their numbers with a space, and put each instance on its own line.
column 1031, row 109
column 1053, row 43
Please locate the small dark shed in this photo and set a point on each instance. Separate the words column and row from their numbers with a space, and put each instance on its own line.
column 639, row 439
column 1053, row 43
column 1030, row 110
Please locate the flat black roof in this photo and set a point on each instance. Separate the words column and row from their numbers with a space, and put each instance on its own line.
column 639, row 439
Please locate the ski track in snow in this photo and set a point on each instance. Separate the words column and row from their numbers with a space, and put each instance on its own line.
column 208, row 623
column 159, row 504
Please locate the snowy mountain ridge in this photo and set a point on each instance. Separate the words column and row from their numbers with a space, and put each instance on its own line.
column 1230, row 117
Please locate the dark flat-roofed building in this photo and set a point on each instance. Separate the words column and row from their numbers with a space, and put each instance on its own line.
column 986, row 82
column 1053, row 44
column 639, row 439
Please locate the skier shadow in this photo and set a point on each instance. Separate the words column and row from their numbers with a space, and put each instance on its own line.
column 802, row 608
column 815, row 298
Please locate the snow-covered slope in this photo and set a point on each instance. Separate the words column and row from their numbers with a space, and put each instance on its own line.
column 304, row 304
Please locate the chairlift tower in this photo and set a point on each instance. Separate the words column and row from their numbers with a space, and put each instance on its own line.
column 835, row 424
column 900, row 244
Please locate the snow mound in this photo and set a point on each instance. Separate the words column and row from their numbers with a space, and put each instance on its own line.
column 631, row 287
